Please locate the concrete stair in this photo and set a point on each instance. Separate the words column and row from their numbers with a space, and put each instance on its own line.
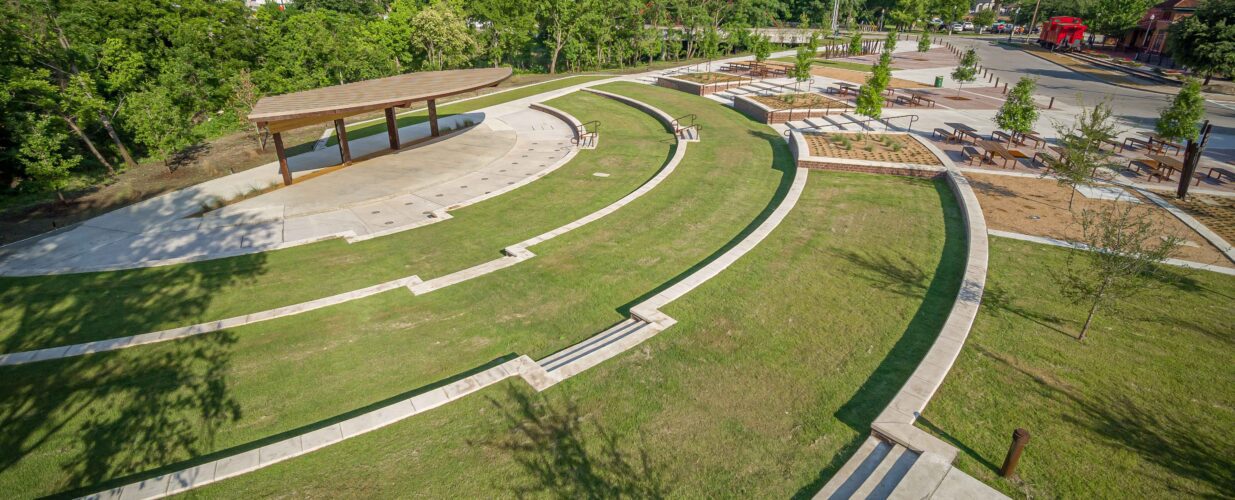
column 592, row 345
column 882, row 470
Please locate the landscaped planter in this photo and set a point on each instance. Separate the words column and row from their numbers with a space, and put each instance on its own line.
column 821, row 151
column 761, row 109
column 701, row 88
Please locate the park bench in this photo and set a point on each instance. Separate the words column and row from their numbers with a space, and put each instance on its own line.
column 1137, row 142
column 1043, row 158
column 919, row 99
column 1221, row 172
column 1038, row 141
column 971, row 153
column 904, row 99
column 1001, row 135
column 1147, row 165
column 944, row 134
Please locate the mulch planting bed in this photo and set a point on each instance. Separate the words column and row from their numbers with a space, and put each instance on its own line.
column 708, row 77
column 788, row 101
column 1216, row 212
column 871, row 147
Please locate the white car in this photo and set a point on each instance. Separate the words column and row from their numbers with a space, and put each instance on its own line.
column 958, row 27
column 968, row 26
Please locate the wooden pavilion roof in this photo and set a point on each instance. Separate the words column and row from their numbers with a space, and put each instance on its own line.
column 298, row 109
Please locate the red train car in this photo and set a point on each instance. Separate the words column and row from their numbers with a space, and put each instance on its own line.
column 1062, row 33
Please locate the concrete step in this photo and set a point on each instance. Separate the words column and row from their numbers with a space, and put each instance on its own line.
column 816, row 122
column 855, row 122
column 923, row 477
column 855, row 470
column 884, row 479
column 613, row 334
column 798, row 124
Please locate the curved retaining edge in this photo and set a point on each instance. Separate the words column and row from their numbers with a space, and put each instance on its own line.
column 575, row 125
column 896, row 422
column 515, row 254
column 636, row 329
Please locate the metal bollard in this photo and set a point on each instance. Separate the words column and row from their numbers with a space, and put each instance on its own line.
column 996, row 81
column 990, row 77
column 1005, row 88
column 1020, row 438
column 1052, row 104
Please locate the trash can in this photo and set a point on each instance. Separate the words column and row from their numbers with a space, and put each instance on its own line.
column 939, row 81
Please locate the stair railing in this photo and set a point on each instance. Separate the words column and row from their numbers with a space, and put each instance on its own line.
column 582, row 134
column 680, row 125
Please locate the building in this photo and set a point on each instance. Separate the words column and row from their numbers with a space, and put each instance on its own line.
column 1150, row 35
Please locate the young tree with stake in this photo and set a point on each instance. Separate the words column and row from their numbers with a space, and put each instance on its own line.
column 1082, row 154
column 1018, row 114
column 967, row 71
column 1125, row 248
column 924, row 42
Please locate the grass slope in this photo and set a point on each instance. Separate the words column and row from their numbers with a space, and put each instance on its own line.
column 175, row 400
column 47, row 311
column 1142, row 409
column 763, row 388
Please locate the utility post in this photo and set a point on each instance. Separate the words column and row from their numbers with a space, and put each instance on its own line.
column 1192, row 157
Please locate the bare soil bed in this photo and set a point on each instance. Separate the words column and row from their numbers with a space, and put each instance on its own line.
column 859, row 77
column 788, row 101
column 1039, row 207
column 708, row 77
column 1216, row 212
column 871, row 147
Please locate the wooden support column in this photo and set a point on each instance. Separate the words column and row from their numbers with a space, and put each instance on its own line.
column 341, row 131
column 433, row 118
column 278, row 150
column 392, row 128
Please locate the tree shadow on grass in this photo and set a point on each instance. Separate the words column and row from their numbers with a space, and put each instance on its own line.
column 568, row 455
column 1154, row 435
column 889, row 271
column 103, row 415
column 782, row 160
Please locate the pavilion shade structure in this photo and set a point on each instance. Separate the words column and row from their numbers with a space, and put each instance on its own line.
column 285, row 112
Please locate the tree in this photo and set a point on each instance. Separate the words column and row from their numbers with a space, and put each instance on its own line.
column 924, row 42
column 1205, row 42
column 762, row 47
column 983, row 19
column 870, row 102
column 1081, row 143
column 41, row 155
column 855, row 42
column 441, row 35
column 889, row 43
column 967, row 71
column 159, row 124
column 1181, row 119
column 1125, row 249
column 711, row 46
column 1116, row 17
column 560, row 19
column 950, row 11
column 244, row 97
column 1019, row 113
column 801, row 64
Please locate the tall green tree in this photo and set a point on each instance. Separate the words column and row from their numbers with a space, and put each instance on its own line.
column 950, row 11
column 924, row 42
column 42, row 155
column 967, row 70
column 442, row 38
column 1205, row 42
column 1181, row 120
column 159, row 124
column 1019, row 113
column 560, row 20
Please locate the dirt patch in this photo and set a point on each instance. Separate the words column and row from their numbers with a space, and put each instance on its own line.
column 708, row 77
column 870, row 147
column 956, row 98
column 788, row 101
column 1039, row 207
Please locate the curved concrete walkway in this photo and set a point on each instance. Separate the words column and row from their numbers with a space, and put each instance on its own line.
column 513, row 255
column 646, row 321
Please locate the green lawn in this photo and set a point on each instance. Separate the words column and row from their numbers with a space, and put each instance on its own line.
column 763, row 388
column 46, row 311
column 422, row 115
column 1144, row 408
column 83, row 420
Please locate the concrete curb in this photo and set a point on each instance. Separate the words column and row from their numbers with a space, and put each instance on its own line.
column 896, row 422
column 1081, row 246
column 514, row 254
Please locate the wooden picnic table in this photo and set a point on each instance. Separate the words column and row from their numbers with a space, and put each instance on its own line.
column 1154, row 138
column 993, row 148
column 1170, row 163
column 1034, row 136
column 961, row 131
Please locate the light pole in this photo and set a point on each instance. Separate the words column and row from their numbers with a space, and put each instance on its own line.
column 1033, row 21
column 836, row 16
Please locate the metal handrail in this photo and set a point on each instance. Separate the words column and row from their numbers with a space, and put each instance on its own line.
column 886, row 125
column 581, row 132
column 788, row 86
column 827, row 108
column 678, row 128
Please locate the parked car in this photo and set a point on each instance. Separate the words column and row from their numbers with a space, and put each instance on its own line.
column 958, row 27
column 968, row 26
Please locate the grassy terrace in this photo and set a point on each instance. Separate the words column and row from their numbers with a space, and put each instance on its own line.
column 763, row 388
column 56, row 310
column 1143, row 409
column 175, row 400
